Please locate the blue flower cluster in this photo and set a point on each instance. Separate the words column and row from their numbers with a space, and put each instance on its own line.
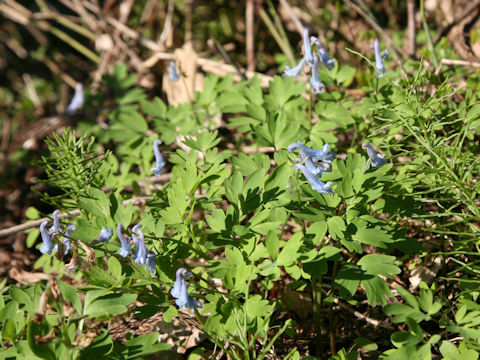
column 180, row 293
column 312, row 171
column 311, row 61
column 142, row 256
column 56, row 230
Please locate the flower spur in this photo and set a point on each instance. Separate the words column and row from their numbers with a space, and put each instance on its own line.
column 160, row 163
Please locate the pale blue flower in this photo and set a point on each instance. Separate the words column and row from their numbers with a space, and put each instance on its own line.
column 77, row 101
column 325, row 154
column 315, row 183
column 379, row 68
column 375, row 159
column 135, row 230
column 140, row 249
column 125, row 248
column 151, row 263
column 173, row 71
column 322, row 54
column 47, row 246
column 295, row 71
column 317, row 85
column 185, row 301
column 180, row 274
column 105, row 234
column 56, row 228
column 160, row 163
column 308, row 50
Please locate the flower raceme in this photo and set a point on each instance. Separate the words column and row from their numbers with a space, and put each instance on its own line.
column 311, row 171
column 159, row 162
column 375, row 159
column 311, row 61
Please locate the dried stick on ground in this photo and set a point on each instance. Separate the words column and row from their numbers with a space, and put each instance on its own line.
column 456, row 62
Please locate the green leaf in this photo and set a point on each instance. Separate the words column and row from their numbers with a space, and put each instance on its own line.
column 21, row 297
column 336, row 227
column 69, row 293
column 111, row 304
column 272, row 243
column 42, row 351
column 9, row 330
column 366, row 343
column 450, row 351
column 373, row 236
column 378, row 264
column 290, row 250
column 115, row 267
column 317, row 230
column 130, row 119
column 100, row 347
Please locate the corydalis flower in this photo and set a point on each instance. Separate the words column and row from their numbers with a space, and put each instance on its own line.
column 135, row 230
column 158, row 159
column 308, row 57
column 56, row 228
column 375, row 159
column 151, row 263
column 180, row 293
column 324, row 154
column 47, row 246
column 173, row 71
column 140, row 249
column 315, row 183
column 180, row 274
column 379, row 68
column 322, row 53
column 105, row 234
column 317, row 85
column 125, row 248
column 77, row 101
column 295, row 71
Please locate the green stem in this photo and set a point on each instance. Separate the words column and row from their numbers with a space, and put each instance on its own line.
column 273, row 30
column 427, row 32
